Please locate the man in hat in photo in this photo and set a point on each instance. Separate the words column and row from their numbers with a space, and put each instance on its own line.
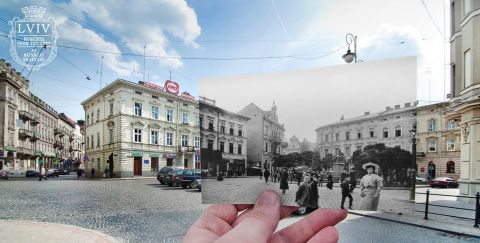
column 353, row 179
column 370, row 187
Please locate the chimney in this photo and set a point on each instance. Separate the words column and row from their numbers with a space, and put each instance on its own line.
column 407, row 104
column 366, row 113
column 415, row 103
column 397, row 107
column 387, row 108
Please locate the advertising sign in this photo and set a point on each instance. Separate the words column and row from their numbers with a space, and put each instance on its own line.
column 172, row 87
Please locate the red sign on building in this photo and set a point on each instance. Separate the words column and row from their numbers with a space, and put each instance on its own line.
column 188, row 95
column 153, row 86
column 172, row 87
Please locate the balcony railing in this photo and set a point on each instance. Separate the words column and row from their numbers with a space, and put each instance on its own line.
column 186, row 149
column 58, row 145
column 59, row 131
column 24, row 133
column 35, row 136
column 25, row 115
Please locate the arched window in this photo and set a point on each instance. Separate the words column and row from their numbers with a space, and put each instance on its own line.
column 450, row 167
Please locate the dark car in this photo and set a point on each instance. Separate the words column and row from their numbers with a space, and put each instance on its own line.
column 188, row 176
column 162, row 174
column 52, row 172
column 32, row 173
column 197, row 184
column 177, row 177
column 443, row 182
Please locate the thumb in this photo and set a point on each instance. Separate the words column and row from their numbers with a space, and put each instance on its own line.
column 259, row 223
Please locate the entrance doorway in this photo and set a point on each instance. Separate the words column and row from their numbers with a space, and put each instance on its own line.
column 185, row 163
column 137, row 166
column 169, row 162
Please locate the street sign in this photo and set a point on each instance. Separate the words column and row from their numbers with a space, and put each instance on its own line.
column 145, row 161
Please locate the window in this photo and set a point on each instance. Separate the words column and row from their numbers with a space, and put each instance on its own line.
column 155, row 112
column 185, row 104
column 326, row 151
column 197, row 121
column 210, row 144
column 347, row 135
column 210, row 124
column 185, row 118
column 385, row 133
column 154, row 164
column 98, row 115
column 450, row 167
column 467, row 75
column 266, row 147
column 337, row 136
column 92, row 142
column 138, row 92
column 169, row 115
column 239, row 149
column 184, row 140
column 451, row 145
column 222, row 127
column 467, row 6
column 111, row 109
column 232, row 128
column 452, row 125
column 359, row 134
column 230, row 148
column 398, row 131
column 326, row 138
column 110, row 136
column 138, row 109
column 137, row 135
column 197, row 142
column 359, row 148
column 347, row 151
column 88, row 118
column 432, row 145
column 432, row 125
column 88, row 141
column 372, row 133
column 222, row 147
column 154, row 137
column 239, row 131
column 155, row 97
column 169, row 139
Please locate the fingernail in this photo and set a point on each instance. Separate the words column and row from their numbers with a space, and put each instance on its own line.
column 268, row 198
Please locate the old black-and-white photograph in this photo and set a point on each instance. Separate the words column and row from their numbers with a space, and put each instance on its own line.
column 331, row 137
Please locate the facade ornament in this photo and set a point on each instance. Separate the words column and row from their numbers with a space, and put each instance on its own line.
column 465, row 132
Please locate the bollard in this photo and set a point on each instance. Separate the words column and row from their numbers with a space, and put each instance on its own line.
column 477, row 210
column 426, row 204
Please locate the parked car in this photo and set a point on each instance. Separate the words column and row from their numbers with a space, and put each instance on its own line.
column 3, row 174
column 162, row 174
column 64, row 172
column 178, row 177
column 32, row 173
column 188, row 177
column 421, row 179
column 443, row 182
column 197, row 184
column 52, row 172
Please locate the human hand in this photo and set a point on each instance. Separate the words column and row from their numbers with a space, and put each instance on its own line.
column 223, row 223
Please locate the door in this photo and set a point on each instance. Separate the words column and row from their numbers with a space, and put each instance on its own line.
column 169, row 162
column 185, row 163
column 137, row 166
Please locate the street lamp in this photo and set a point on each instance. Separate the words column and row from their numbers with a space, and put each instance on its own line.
column 413, row 134
column 351, row 56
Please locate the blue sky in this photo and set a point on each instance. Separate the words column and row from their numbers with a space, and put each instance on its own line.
column 310, row 32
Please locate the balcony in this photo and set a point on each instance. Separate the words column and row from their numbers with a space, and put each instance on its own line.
column 71, row 137
column 59, row 132
column 35, row 120
column 58, row 145
column 24, row 133
column 70, row 149
column 186, row 149
column 35, row 137
column 25, row 115
column 22, row 150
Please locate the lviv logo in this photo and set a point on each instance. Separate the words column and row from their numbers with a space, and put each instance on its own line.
column 33, row 39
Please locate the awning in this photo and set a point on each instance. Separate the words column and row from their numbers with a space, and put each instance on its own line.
column 49, row 154
column 10, row 148
column 38, row 152
column 154, row 155
column 136, row 153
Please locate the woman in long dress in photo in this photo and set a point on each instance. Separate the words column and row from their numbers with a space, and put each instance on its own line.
column 283, row 180
column 370, row 187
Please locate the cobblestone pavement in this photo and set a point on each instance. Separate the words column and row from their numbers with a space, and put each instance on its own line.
column 144, row 211
column 245, row 190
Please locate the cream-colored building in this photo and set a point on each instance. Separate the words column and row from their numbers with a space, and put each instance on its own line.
column 465, row 88
column 134, row 129
column 293, row 145
column 390, row 127
column 225, row 132
column 438, row 142
column 27, row 126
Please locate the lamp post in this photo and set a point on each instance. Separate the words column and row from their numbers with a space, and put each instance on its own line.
column 413, row 134
column 351, row 56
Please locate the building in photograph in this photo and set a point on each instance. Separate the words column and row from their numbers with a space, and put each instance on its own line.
column 293, row 145
column 224, row 139
column 391, row 127
column 465, row 88
column 438, row 142
column 265, row 136
column 30, row 127
column 133, row 129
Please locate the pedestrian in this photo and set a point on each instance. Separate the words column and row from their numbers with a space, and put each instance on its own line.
column 345, row 185
column 307, row 194
column 275, row 175
column 299, row 177
column 330, row 181
column 105, row 172
column 344, row 175
column 370, row 187
column 42, row 174
column 321, row 180
column 92, row 172
column 283, row 180
column 353, row 179
column 266, row 174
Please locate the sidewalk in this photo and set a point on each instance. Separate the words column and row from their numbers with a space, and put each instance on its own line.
column 32, row 231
